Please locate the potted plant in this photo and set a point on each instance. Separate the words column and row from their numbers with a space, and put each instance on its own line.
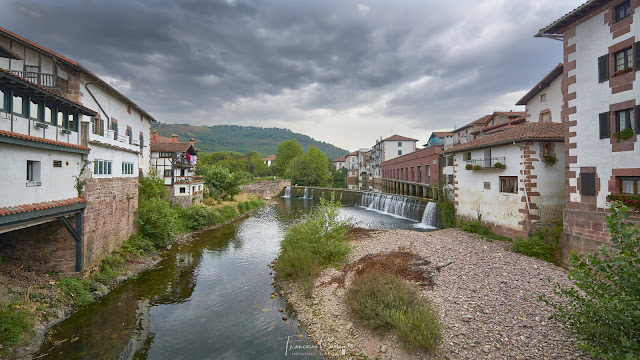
column 623, row 71
column 624, row 134
column 499, row 165
column 477, row 167
column 468, row 167
column 550, row 160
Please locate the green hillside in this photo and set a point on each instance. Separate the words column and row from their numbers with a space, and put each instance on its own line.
column 242, row 138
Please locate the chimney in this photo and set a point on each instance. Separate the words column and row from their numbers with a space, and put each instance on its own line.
column 154, row 136
column 192, row 141
column 174, row 138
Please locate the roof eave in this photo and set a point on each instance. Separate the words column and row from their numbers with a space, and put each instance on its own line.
column 543, row 84
column 506, row 142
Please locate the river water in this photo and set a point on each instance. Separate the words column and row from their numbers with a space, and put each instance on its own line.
column 209, row 299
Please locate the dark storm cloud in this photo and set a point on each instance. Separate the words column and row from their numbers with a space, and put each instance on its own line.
column 316, row 65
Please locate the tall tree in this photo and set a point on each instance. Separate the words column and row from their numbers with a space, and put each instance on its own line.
column 312, row 168
column 287, row 151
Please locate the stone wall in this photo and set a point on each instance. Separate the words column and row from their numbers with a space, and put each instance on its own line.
column 108, row 218
column 183, row 201
column 267, row 188
column 44, row 248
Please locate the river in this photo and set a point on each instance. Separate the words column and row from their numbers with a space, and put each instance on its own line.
column 209, row 299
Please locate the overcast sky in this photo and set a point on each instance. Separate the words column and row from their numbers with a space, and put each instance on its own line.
column 345, row 72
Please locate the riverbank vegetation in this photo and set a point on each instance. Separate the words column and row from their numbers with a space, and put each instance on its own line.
column 313, row 244
column 38, row 300
column 383, row 302
column 603, row 306
column 310, row 168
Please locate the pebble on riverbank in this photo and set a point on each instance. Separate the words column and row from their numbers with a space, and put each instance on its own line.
column 487, row 298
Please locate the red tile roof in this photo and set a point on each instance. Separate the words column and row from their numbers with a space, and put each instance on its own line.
column 38, row 46
column 270, row 157
column 42, row 140
column 53, row 93
column 442, row 134
column 398, row 138
column 39, row 206
column 517, row 133
column 169, row 147
column 341, row 159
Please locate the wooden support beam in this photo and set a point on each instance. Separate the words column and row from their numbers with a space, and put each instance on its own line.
column 77, row 235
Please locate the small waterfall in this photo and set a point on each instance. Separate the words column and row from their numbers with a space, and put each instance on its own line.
column 305, row 195
column 392, row 204
column 287, row 192
column 429, row 217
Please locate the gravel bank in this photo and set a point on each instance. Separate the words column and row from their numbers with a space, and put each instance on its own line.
column 487, row 298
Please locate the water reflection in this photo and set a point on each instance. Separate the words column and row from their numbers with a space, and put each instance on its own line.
column 209, row 299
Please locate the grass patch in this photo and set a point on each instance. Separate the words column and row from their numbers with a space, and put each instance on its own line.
column 383, row 302
column 476, row 227
column 76, row 290
column 13, row 324
column 543, row 245
column 313, row 244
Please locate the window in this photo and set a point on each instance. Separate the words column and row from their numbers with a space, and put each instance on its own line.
column 399, row 143
column 399, row 152
column 141, row 140
column 183, row 190
column 128, row 133
column 57, row 163
column 624, row 119
column 629, row 185
column 588, row 184
column 450, row 161
column 546, row 117
column 60, row 120
column 102, row 167
column 450, row 179
column 623, row 10
column 487, row 185
column 2, row 95
column 114, row 127
column 33, row 110
column 624, row 59
column 127, row 168
column 509, row 184
column 18, row 105
column 546, row 149
column 165, row 155
column 543, row 97
column 33, row 173
column 467, row 156
column 167, row 173
column 72, row 122
column 48, row 114
column 419, row 173
column 501, row 119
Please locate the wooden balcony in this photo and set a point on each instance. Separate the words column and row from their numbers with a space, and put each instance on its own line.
column 48, row 81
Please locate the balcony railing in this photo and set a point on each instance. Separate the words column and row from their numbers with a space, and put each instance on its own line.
column 487, row 163
column 188, row 179
column 49, row 81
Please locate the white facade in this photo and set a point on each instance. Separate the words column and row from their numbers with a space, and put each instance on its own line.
column 547, row 101
column 351, row 163
column 593, row 39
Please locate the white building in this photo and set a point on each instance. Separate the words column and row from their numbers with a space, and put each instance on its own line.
column 340, row 163
column 175, row 162
column 600, row 100
column 387, row 149
column 117, row 134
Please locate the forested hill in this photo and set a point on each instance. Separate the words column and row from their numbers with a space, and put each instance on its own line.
column 243, row 138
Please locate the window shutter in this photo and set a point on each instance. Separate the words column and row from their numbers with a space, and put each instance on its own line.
column 101, row 127
column 636, row 46
column 603, row 68
column 604, row 125
column 637, row 112
column 588, row 184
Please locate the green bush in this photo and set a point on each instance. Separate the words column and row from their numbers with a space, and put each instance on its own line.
column 137, row 244
column 76, row 290
column 543, row 245
column 312, row 244
column 13, row 324
column 150, row 187
column 383, row 302
column 228, row 212
column 603, row 306
column 447, row 213
column 475, row 227
column 157, row 221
